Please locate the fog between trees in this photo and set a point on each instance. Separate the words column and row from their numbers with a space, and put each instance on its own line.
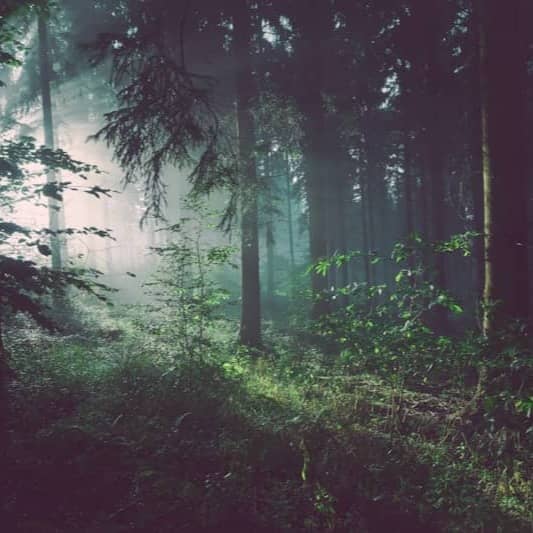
column 299, row 202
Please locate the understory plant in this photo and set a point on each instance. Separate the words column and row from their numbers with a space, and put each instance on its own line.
column 185, row 285
column 397, row 330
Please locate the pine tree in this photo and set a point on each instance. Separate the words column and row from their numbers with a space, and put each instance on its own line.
column 250, row 332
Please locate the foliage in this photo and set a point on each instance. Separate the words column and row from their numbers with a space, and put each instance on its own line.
column 24, row 279
column 108, row 438
column 151, row 419
column 392, row 330
column 166, row 114
column 185, row 283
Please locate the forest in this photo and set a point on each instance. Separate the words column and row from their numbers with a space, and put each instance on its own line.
column 265, row 266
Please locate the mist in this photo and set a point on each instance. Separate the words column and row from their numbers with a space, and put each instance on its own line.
column 266, row 265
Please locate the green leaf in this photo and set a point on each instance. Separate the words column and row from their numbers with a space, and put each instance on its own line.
column 455, row 308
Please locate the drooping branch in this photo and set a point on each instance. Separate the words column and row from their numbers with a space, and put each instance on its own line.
column 166, row 117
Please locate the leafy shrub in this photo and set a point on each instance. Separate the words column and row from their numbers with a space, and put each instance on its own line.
column 391, row 330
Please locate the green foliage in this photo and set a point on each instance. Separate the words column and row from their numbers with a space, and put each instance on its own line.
column 112, row 440
column 337, row 260
column 10, row 35
column 165, row 113
column 415, row 246
column 461, row 242
column 24, row 281
column 185, row 284
column 390, row 330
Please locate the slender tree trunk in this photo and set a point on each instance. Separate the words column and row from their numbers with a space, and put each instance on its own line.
column 269, row 237
column 371, row 214
column 341, row 224
column 371, row 229
column 434, row 148
column 423, row 195
column 335, row 177
column 423, row 200
column 408, row 186
column 250, row 334
column 270, row 262
column 107, row 222
column 364, row 226
column 289, row 214
column 317, row 230
column 476, row 181
column 314, row 17
column 382, row 230
column 354, row 231
column 408, row 199
column 54, row 206
column 503, row 53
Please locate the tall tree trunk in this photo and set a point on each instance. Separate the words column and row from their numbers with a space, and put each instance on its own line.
column 503, row 53
column 317, row 225
column 476, row 182
column 269, row 237
column 107, row 221
column 371, row 228
column 434, row 148
column 371, row 202
column 290, row 227
column 313, row 19
column 250, row 331
column 364, row 227
column 342, row 193
column 380, row 225
column 423, row 201
column 54, row 206
column 408, row 185
column 410, row 227
column 335, row 170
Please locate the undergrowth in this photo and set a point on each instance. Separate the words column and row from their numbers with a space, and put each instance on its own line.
column 113, row 429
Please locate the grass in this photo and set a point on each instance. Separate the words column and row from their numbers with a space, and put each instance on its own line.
column 113, row 431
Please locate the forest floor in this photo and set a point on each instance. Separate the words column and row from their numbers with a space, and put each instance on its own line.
column 114, row 431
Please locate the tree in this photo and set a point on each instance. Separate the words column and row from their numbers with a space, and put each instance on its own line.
column 503, row 51
column 9, row 46
column 26, row 284
column 54, row 206
column 168, row 114
column 313, row 21
column 250, row 333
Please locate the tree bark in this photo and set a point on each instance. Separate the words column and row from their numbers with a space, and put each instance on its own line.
column 371, row 215
column 290, row 229
column 434, row 148
column 269, row 238
column 342, row 193
column 250, row 331
column 54, row 206
column 364, row 227
column 314, row 145
column 408, row 185
column 503, row 53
